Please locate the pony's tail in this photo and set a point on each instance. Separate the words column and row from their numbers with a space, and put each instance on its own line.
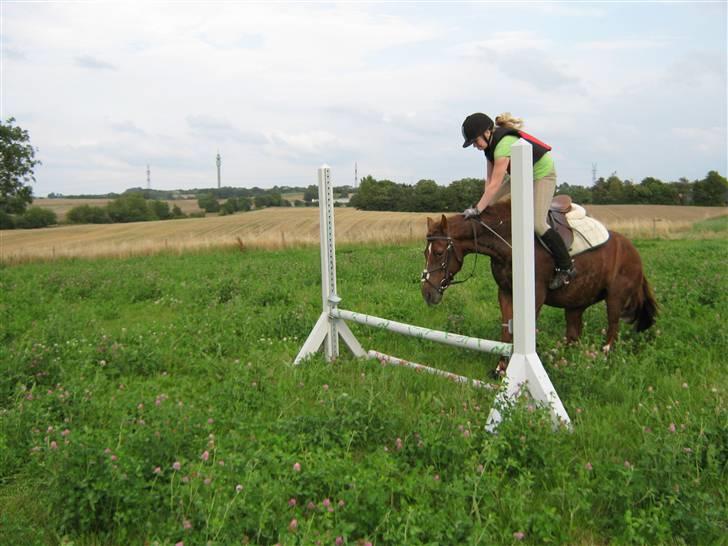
column 644, row 311
column 641, row 309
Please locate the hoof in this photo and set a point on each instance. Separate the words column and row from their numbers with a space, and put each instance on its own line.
column 607, row 348
column 500, row 371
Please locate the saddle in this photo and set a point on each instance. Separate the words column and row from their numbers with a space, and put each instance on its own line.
column 556, row 218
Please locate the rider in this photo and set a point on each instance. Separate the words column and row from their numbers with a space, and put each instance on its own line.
column 495, row 140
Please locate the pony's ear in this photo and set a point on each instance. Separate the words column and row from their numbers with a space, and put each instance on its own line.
column 443, row 223
column 430, row 223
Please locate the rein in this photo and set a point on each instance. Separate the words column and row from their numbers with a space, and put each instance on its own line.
column 447, row 279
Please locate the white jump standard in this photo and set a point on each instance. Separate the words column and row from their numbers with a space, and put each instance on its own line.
column 524, row 369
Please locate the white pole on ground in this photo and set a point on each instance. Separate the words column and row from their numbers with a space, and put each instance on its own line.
column 524, row 368
column 394, row 361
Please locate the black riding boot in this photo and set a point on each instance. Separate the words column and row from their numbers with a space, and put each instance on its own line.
column 565, row 270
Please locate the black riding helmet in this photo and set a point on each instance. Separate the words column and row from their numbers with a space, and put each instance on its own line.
column 474, row 126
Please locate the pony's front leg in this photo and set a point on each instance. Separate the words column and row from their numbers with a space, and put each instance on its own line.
column 574, row 324
column 505, row 300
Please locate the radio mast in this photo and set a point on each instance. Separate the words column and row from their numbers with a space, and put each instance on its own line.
column 219, row 162
column 149, row 178
column 356, row 175
column 594, row 173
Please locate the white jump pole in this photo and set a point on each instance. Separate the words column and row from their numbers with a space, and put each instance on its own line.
column 448, row 338
column 524, row 368
column 393, row 360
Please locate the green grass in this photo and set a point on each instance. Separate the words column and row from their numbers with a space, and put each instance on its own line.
column 716, row 225
column 114, row 370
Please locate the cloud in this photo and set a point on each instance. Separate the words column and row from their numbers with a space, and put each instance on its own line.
column 696, row 68
column 280, row 87
column 704, row 140
column 568, row 9
column 13, row 54
column 127, row 127
column 630, row 44
column 86, row 61
column 523, row 56
column 212, row 128
column 316, row 145
column 529, row 67
column 233, row 41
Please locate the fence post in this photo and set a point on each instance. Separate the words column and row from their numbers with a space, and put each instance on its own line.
column 524, row 368
column 329, row 298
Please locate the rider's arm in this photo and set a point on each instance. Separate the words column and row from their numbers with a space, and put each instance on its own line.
column 495, row 179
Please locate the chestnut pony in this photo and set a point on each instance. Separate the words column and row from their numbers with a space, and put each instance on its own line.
column 611, row 272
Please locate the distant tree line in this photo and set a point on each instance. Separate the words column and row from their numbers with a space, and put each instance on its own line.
column 427, row 196
column 30, row 218
column 169, row 195
column 129, row 207
column 711, row 191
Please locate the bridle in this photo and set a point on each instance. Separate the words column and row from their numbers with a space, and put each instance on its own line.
column 447, row 278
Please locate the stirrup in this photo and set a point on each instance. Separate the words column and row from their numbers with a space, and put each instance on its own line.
column 562, row 277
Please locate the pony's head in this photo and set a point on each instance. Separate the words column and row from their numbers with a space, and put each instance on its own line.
column 443, row 259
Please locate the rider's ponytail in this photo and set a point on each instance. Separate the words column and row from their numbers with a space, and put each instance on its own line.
column 507, row 120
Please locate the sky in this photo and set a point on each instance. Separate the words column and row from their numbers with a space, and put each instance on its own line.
column 279, row 88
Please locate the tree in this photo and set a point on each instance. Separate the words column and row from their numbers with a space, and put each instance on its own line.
column 683, row 190
column 130, row 207
column 609, row 191
column 712, row 191
column 310, row 194
column 461, row 194
column 654, row 191
column 36, row 217
column 427, row 196
column 159, row 209
column 87, row 214
column 17, row 161
column 579, row 194
column 208, row 203
column 229, row 207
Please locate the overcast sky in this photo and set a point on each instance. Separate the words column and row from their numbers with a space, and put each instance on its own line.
column 280, row 88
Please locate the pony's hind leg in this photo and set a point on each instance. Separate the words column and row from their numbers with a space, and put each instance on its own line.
column 574, row 323
column 505, row 300
column 615, row 305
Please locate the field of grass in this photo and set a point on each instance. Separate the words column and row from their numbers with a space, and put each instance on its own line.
column 288, row 227
column 152, row 400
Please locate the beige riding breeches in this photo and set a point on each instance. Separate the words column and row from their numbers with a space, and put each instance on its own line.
column 543, row 192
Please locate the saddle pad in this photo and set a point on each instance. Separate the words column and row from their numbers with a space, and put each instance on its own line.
column 588, row 232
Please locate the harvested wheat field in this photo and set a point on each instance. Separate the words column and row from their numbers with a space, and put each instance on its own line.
column 284, row 227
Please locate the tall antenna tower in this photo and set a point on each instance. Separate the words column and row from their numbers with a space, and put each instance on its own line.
column 219, row 162
column 594, row 173
column 356, row 175
column 149, row 178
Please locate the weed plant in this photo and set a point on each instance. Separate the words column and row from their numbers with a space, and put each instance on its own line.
column 152, row 400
